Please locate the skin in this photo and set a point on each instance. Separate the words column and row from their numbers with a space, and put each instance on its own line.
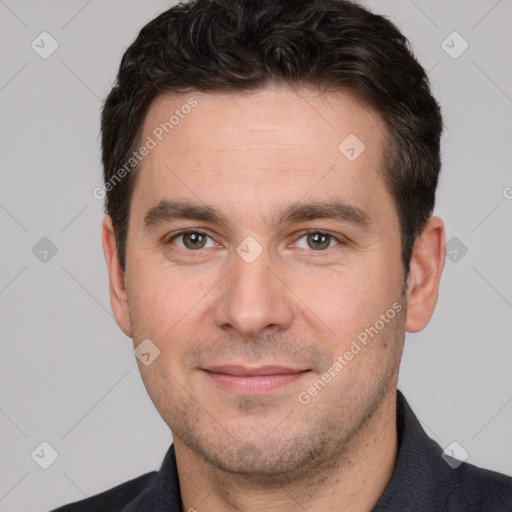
column 249, row 157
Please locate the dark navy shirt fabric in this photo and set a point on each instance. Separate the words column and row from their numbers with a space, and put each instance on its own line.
column 421, row 482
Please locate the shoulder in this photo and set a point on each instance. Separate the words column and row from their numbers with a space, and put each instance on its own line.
column 425, row 480
column 478, row 489
column 115, row 499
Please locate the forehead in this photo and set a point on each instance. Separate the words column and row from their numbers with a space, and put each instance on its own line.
column 261, row 145
column 273, row 118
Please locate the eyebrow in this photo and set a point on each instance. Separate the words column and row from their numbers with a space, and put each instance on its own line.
column 169, row 210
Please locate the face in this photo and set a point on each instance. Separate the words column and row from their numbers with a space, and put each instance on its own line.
column 264, row 263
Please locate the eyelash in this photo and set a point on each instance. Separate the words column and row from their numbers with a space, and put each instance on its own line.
column 340, row 241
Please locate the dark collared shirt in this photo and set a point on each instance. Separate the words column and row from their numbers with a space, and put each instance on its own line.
column 421, row 482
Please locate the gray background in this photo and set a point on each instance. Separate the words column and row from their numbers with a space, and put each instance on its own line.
column 67, row 373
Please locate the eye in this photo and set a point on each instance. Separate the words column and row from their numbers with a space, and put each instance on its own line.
column 317, row 240
column 192, row 240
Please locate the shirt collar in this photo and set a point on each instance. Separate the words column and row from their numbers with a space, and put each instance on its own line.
column 421, row 478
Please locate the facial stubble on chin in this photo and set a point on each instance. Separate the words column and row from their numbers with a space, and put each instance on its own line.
column 321, row 437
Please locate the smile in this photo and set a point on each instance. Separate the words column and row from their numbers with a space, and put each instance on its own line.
column 254, row 381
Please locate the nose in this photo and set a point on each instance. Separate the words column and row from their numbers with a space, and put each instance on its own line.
column 254, row 299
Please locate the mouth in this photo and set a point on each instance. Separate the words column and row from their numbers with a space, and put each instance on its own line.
column 249, row 381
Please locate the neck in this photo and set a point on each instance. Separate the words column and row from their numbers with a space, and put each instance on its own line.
column 352, row 481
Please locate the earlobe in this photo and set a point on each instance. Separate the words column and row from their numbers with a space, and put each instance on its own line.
column 118, row 294
column 427, row 264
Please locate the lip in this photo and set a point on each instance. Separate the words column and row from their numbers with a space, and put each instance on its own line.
column 261, row 380
column 234, row 369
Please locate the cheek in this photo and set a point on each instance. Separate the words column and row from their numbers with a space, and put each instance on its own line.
column 349, row 301
column 164, row 301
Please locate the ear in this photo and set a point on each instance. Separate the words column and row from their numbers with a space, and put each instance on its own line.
column 118, row 294
column 427, row 264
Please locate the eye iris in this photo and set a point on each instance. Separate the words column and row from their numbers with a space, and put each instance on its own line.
column 318, row 241
column 194, row 240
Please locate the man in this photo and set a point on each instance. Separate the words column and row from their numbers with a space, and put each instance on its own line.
column 270, row 177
